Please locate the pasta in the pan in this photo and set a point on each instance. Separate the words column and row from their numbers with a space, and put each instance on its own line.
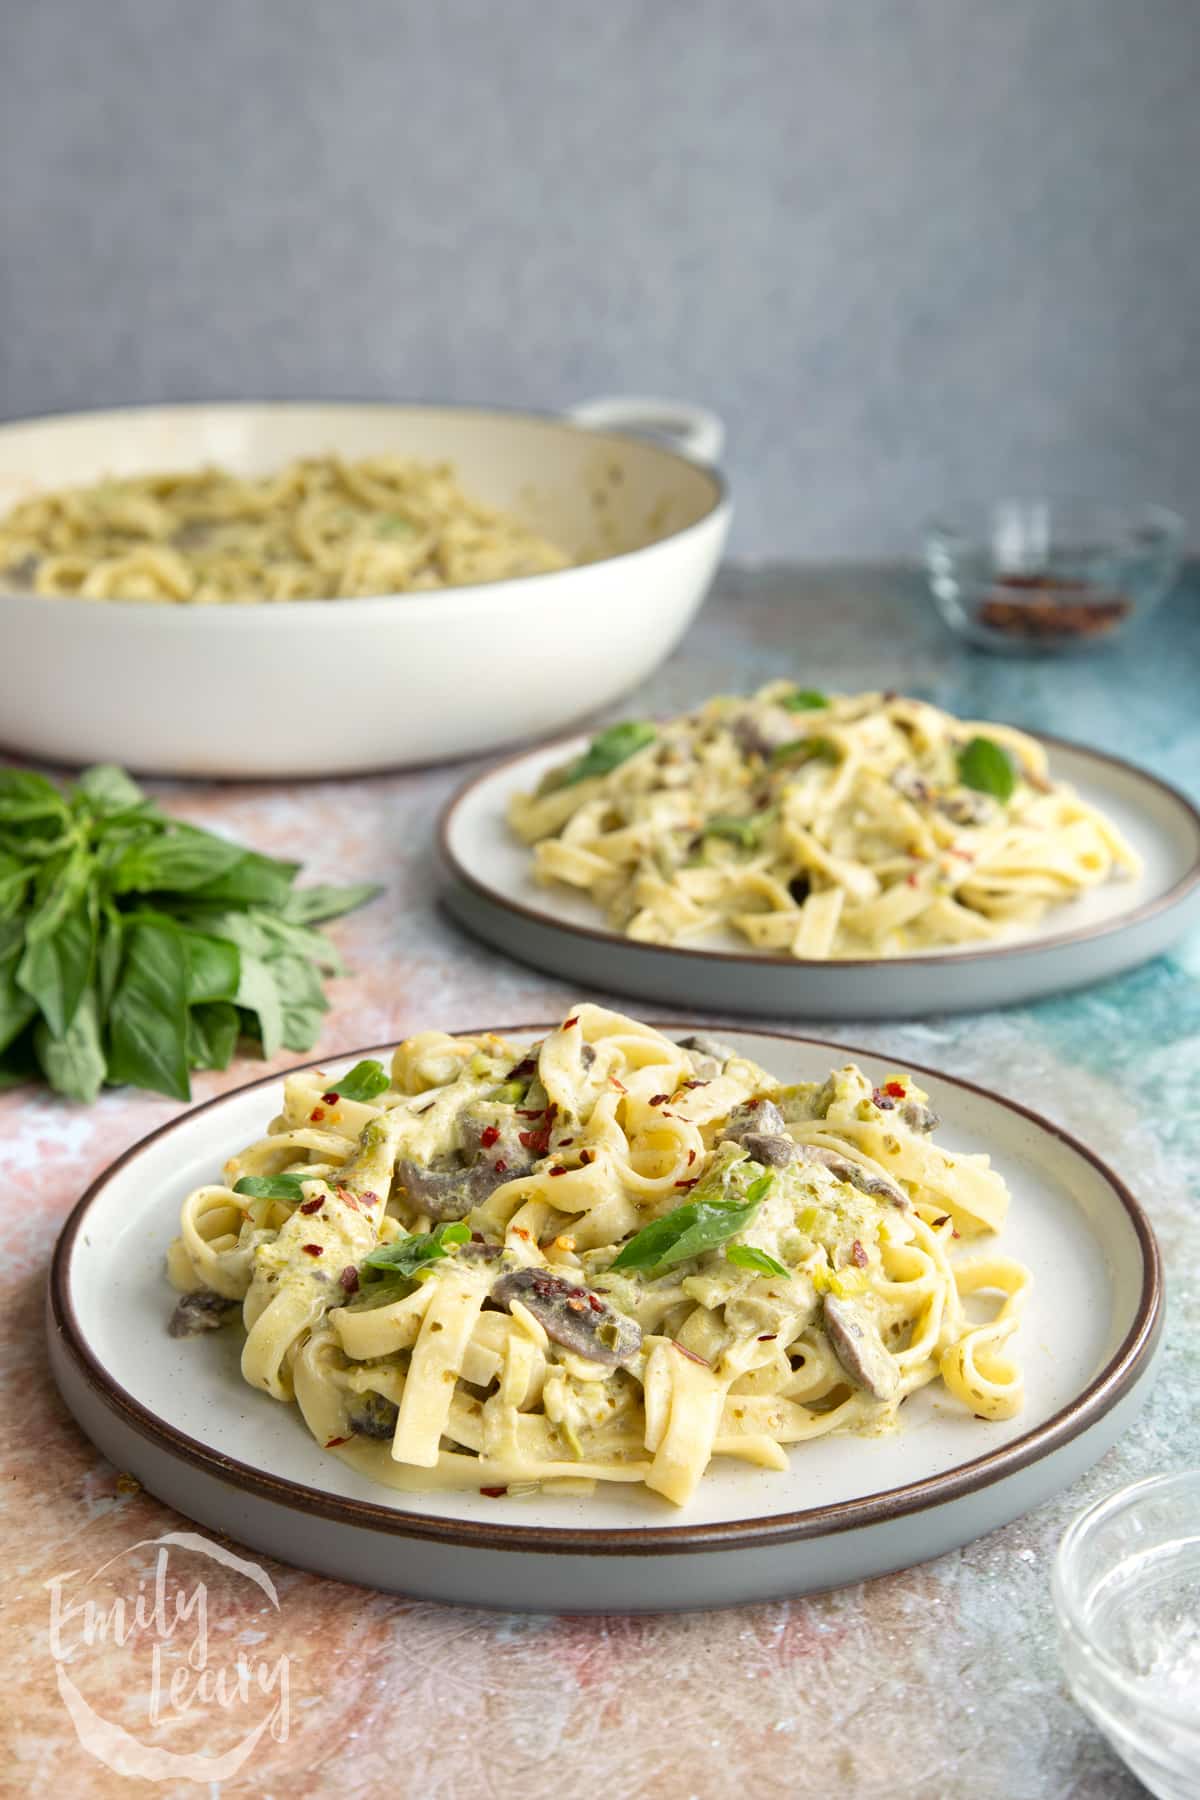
column 818, row 826
column 606, row 1256
column 321, row 528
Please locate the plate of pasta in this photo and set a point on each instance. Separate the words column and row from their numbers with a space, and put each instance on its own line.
column 605, row 1315
column 836, row 855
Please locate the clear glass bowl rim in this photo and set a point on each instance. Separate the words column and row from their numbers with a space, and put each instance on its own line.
column 966, row 523
column 1067, row 1603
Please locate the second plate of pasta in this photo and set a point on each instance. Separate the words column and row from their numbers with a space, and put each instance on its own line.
column 605, row 1315
column 846, row 856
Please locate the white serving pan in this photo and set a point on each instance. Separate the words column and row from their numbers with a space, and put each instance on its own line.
column 304, row 688
column 176, row 1413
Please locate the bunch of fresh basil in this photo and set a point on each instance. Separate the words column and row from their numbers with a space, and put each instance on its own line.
column 134, row 947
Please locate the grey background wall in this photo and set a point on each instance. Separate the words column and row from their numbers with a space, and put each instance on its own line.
column 908, row 250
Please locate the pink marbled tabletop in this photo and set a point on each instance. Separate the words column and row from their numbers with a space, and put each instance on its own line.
column 940, row 1680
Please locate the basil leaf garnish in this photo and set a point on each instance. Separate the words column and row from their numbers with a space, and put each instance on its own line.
column 805, row 700
column 609, row 750
column 748, row 1256
column 690, row 1230
column 743, row 832
column 272, row 1187
column 411, row 1256
column 363, row 1082
column 983, row 765
column 802, row 750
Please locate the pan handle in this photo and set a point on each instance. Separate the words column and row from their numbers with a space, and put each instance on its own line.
column 694, row 431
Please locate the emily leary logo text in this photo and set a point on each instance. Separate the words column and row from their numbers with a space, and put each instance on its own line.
column 149, row 1632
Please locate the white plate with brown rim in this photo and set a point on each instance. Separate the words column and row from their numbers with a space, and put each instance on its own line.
column 488, row 885
column 176, row 1414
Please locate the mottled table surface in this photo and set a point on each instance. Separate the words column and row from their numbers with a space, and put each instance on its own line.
column 937, row 1681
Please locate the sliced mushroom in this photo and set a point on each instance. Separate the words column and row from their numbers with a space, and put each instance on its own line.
column 918, row 1117
column 878, row 1186
column 707, row 1055
column 202, row 1311
column 574, row 1317
column 967, row 808
column 450, row 1193
column 775, row 1150
column 860, row 1349
column 373, row 1415
column 762, row 1117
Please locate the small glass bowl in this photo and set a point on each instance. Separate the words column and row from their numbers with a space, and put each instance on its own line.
column 1026, row 576
column 1127, row 1595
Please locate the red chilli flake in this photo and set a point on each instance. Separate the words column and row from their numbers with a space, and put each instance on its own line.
column 595, row 1302
column 768, row 1337
column 348, row 1279
column 911, row 878
column 567, row 1023
column 586, row 1156
column 691, row 1156
column 691, row 1355
column 332, row 1443
column 493, row 1493
column 619, row 1085
column 312, row 1249
column 500, row 1167
column 692, row 1084
column 317, row 1113
column 331, row 1099
column 556, row 1170
column 685, row 1185
column 944, row 1220
column 489, row 1135
column 896, row 1089
column 313, row 1206
column 858, row 1255
column 659, row 1099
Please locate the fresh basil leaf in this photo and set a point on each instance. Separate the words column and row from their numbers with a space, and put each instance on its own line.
column 744, row 832
column 108, row 789
column 56, row 969
column 690, row 1230
column 608, row 751
column 212, row 1034
column 760, row 1188
column 177, row 861
column 74, row 1062
column 365, row 1081
column 110, row 946
column 410, row 1256
column 24, row 796
column 252, row 880
column 802, row 750
column 17, row 1007
column 272, row 1187
column 214, row 967
column 147, row 1026
column 281, row 936
column 58, row 886
column 258, row 995
column 308, row 906
column 983, row 765
column 747, row 1256
column 805, row 700
column 302, row 1025
column 15, row 877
